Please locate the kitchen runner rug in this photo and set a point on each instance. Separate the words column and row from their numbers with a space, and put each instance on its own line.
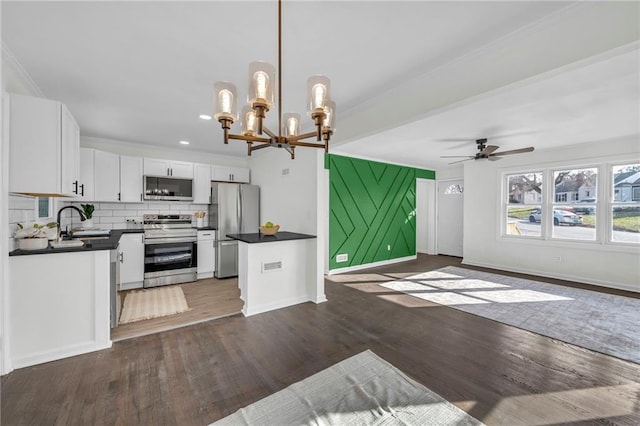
column 153, row 303
column 361, row 390
column 601, row 322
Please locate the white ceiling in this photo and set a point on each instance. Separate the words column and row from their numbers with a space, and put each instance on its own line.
column 405, row 75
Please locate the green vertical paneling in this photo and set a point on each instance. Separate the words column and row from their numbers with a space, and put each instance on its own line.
column 372, row 210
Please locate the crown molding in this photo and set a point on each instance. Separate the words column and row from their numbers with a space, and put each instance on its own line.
column 10, row 60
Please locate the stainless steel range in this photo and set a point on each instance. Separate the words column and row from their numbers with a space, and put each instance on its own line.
column 170, row 249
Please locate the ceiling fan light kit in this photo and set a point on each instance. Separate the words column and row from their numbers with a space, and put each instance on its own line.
column 488, row 152
column 260, row 99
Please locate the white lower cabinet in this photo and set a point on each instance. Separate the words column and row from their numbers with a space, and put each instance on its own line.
column 206, row 254
column 131, row 258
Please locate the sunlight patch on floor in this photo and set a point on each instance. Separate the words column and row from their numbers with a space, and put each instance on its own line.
column 355, row 278
column 515, row 296
column 463, row 284
column 567, row 406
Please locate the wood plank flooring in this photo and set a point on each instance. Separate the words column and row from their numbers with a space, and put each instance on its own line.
column 207, row 299
column 198, row 374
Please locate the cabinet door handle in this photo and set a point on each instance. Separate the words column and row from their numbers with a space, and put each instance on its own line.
column 118, row 196
column 121, row 257
column 141, row 196
column 82, row 189
column 168, row 172
column 171, row 172
column 75, row 186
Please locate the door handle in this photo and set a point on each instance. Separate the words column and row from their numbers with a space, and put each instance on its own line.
column 121, row 257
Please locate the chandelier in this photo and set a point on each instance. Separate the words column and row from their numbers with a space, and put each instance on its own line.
column 260, row 100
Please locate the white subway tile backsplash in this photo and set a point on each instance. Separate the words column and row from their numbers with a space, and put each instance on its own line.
column 107, row 219
column 177, row 207
column 100, row 213
column 159, row 206
column 110, row 206
column 122, row 213
column 135, row 206
column 19, row 202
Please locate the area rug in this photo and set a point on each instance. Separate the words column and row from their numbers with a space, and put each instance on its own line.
column 601, row 322
column 361, row 390
column 153, row 303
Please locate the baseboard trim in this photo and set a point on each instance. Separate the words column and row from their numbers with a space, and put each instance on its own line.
column 66, row 352
column 276, row 305
column 371, row 265
column 566, row 277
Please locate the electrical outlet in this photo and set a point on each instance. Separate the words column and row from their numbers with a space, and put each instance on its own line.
column 342, row 258
column 285, row 171
column 558, row 259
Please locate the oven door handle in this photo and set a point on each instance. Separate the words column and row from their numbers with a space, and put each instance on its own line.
column 152, row 241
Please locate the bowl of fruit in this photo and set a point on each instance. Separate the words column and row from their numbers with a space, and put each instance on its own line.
column 269, row 228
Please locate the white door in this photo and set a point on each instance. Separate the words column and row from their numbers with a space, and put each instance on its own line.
column 450, row 208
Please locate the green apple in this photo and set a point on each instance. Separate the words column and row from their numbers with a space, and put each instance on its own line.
column 268, row 225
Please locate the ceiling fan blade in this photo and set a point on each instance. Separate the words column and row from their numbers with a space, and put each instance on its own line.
column 458, row 156
column 513, row 151
column 460, row 161
column 489, row 149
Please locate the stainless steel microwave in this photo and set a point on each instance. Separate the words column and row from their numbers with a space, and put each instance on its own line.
column 168, row 188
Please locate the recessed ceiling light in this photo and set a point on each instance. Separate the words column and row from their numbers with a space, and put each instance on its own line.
column 184, row 142
column 205, row 116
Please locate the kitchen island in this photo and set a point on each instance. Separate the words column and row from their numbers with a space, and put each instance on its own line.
column 276, row 271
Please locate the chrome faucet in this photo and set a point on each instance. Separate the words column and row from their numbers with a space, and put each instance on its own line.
column 82, row 218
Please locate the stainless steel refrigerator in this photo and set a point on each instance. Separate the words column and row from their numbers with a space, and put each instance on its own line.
column 234, row 209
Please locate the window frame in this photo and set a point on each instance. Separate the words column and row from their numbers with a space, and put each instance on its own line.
column 604, row 204
column 505, row 204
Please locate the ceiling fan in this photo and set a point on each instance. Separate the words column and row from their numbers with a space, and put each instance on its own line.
column 488, row 152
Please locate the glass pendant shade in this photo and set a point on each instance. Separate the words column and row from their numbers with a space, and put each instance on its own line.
column 330, row 117
column 261, row 83
column 225, row 102
column 291, row 124
column 318, row 87
column 248, row 121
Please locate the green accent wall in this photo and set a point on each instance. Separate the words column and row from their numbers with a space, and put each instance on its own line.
column 372, row 210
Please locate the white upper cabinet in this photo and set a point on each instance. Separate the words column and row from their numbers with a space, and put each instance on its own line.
column 44, row 147
column 230, row 174
column 178, row 169
column 106, row 176
column 131, row 179
column 201, row 183
column 86, row 174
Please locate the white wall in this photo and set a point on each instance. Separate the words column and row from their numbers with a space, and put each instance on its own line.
column 589, row 262
column 290, row 199
column 13, row 79
column 291, row 194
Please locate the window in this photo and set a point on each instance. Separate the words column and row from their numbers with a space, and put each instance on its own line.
column 625, row 206
column 44, row 207
column 454, row 189
column 523, row 204
column 574, row 214
column 589, row 204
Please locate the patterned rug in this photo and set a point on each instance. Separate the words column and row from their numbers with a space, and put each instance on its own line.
column 361, row 390
column 153, row 303
column 601, row 322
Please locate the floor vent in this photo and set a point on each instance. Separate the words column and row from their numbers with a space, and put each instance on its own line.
column 271, row 266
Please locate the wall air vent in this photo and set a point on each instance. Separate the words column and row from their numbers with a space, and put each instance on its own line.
column 271, row 266
column 342, row 257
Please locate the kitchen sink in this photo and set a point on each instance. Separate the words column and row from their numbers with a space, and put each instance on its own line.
column 101, row 237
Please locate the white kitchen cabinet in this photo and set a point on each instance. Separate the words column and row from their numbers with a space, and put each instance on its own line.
column 158, row 167
column 206, row 254
column 44, row 149
column 131, row 258
column 230, row 174
column 201, row 184
column 86, row 175
column 131, row 179
column 106, row 176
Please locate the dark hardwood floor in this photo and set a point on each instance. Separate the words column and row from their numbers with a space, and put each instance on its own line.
column 198, row 374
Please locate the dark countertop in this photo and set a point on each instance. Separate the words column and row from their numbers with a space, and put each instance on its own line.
column 110, row 243
column 261, row 238
column 206, row 228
